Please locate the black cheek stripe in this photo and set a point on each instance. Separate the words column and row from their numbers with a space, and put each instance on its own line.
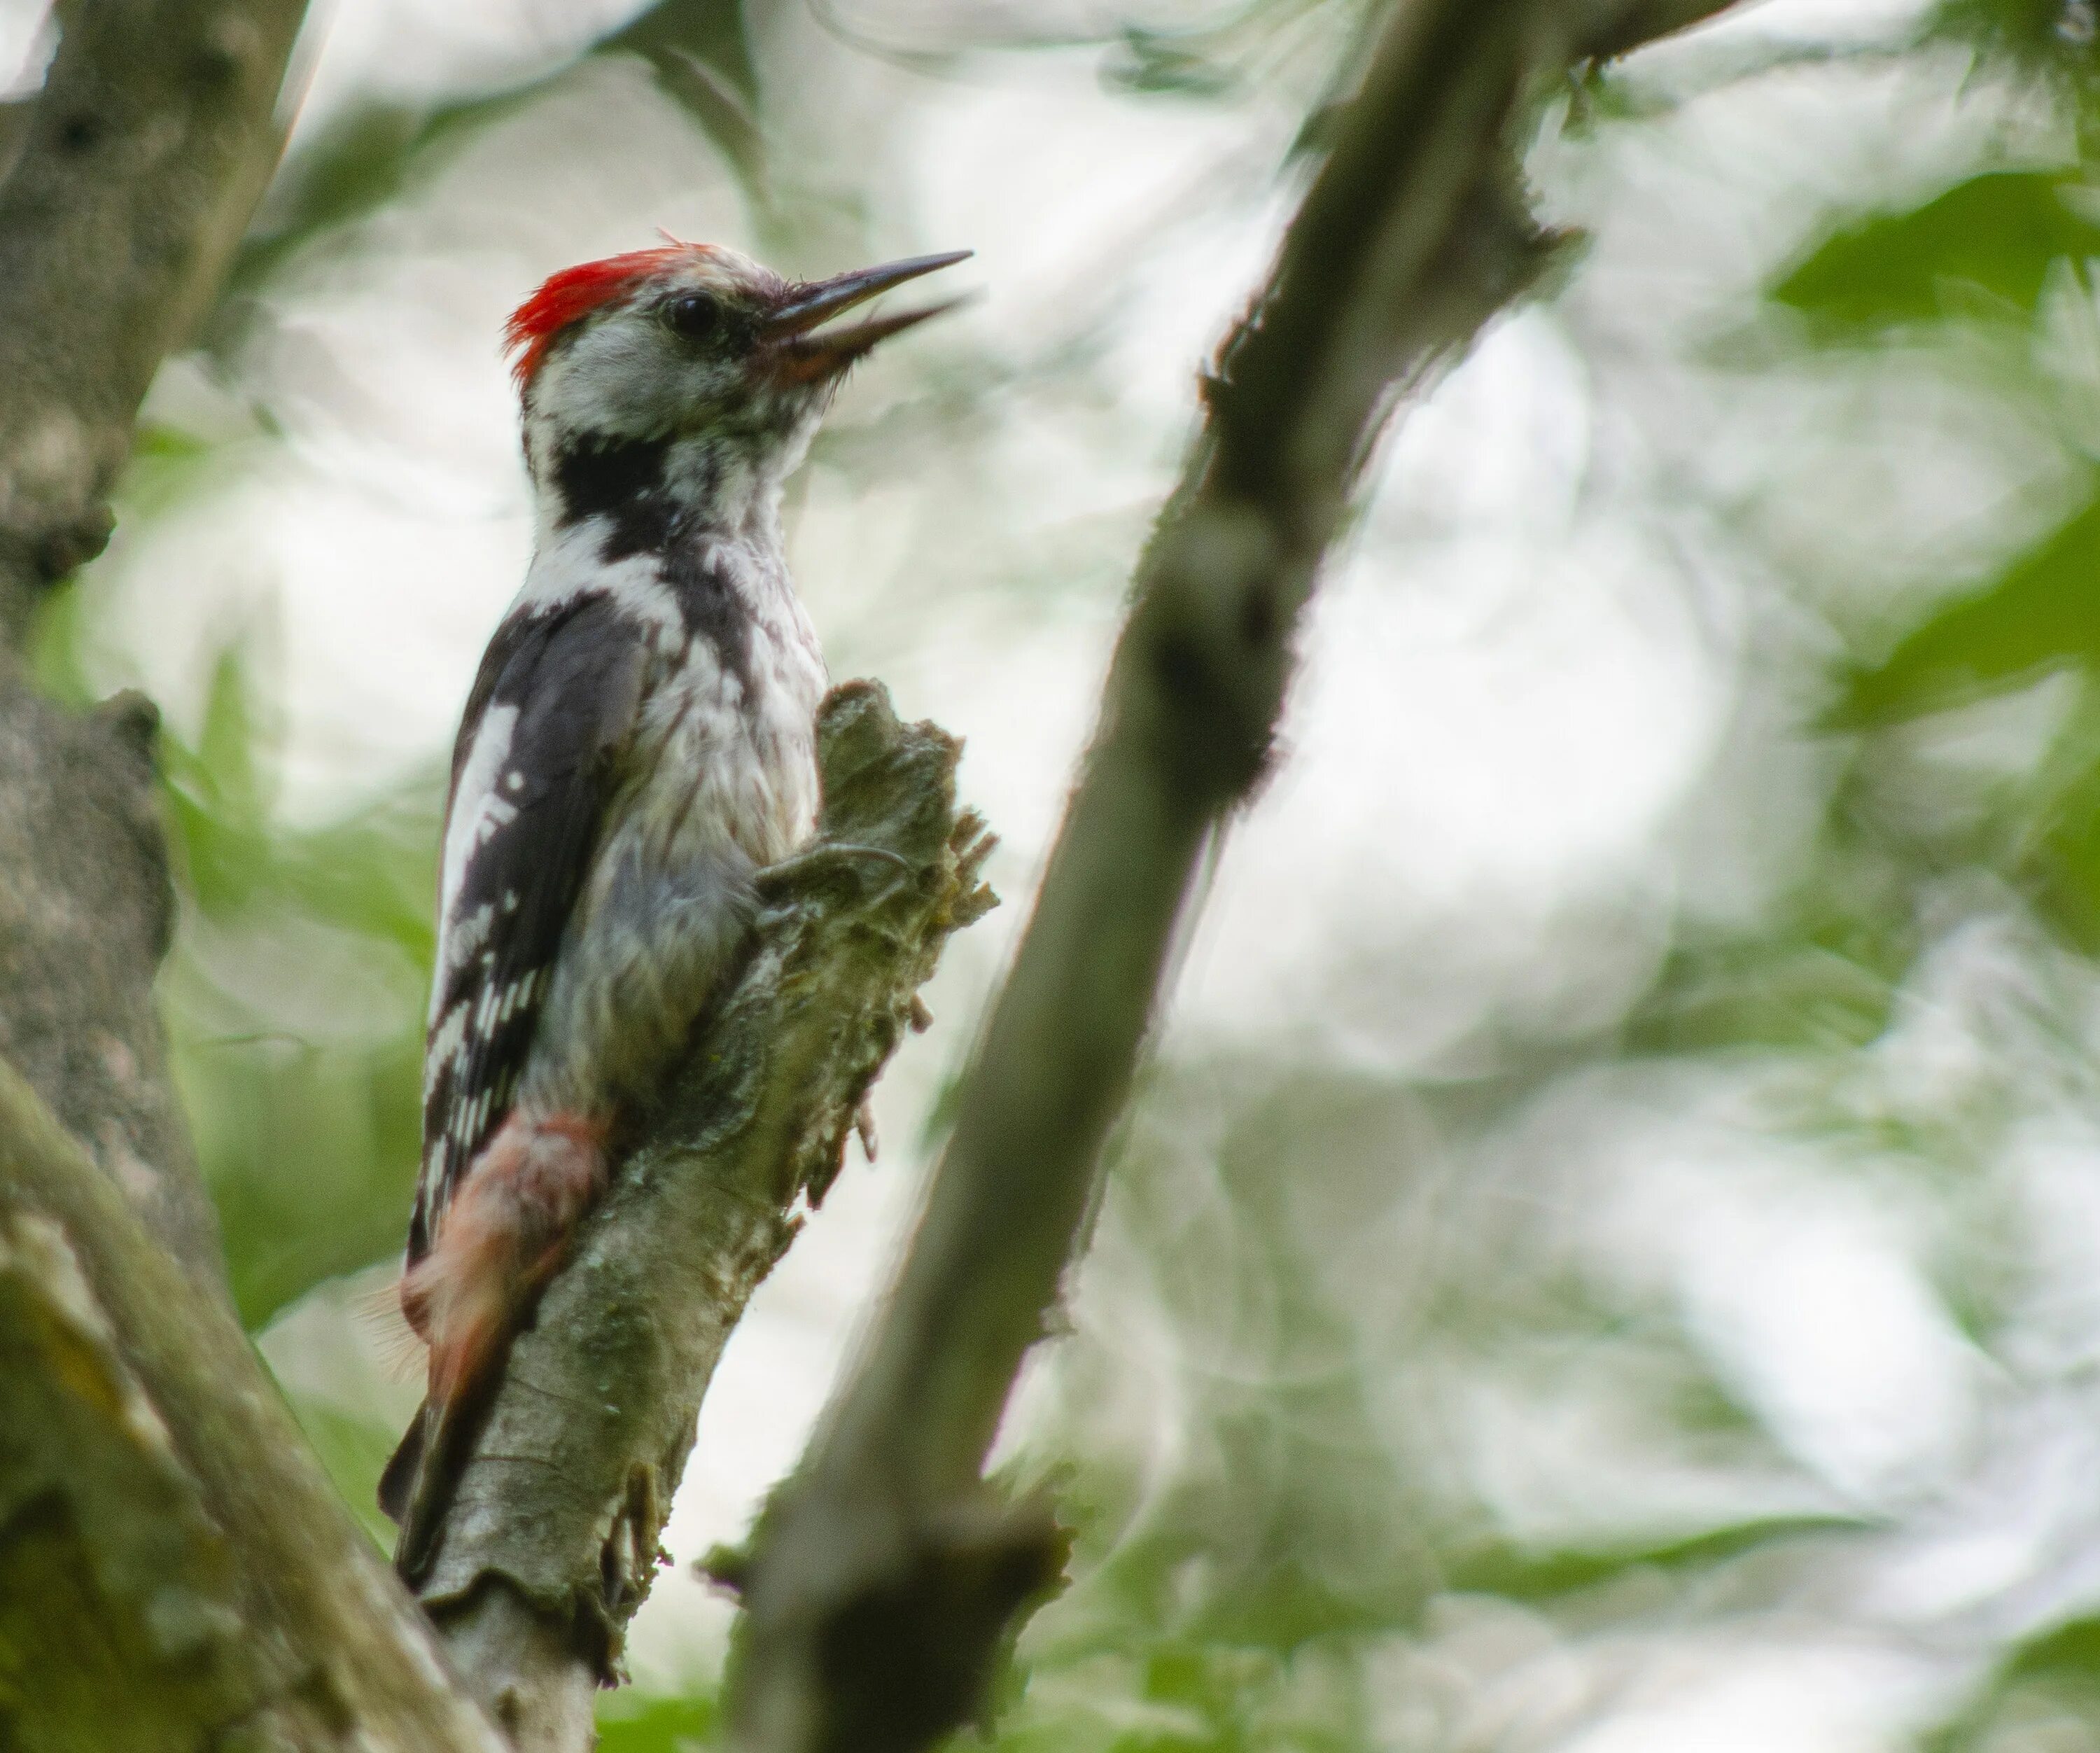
column 622, row 481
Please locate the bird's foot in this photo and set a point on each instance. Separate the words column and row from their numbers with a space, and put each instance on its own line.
column 825, row 857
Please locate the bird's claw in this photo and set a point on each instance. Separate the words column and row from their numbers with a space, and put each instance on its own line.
column 774, row 878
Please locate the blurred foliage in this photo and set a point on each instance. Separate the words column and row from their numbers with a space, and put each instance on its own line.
column 339, row 1092
column 631, row 1724
column 2055, row 38
column 2045, row 1698
column 350, row 903
column 354, row 1450
column 1822, row 977
column 1996, row 237
column 2035, row 616
column 1299, row 1551
column 1340, row 1323
column 293, row 996
column 697, row 49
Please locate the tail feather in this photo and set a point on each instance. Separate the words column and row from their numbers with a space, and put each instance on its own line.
column 504, row 1236
column 481, row 1311
column 416, row 1489
column 397, row 1483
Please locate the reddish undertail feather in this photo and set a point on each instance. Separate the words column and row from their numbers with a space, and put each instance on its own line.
column 576, row 291
column 502, row 1239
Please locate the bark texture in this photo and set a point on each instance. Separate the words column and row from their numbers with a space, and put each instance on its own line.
column 550, row 1543
column 175, row 1570
column 139, row 165
column 175, row 1573
column 885, row 1576
column 85, row 913
column 133, row 172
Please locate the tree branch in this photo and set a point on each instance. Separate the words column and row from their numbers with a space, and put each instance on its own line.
column 138, row 164
column 86, row 910
column 174, row 1568
column 550, row 1542
column 884, row 1575
column 1612, row 28
column 142, row 158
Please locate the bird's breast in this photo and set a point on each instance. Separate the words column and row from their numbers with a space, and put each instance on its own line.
column 728, row 743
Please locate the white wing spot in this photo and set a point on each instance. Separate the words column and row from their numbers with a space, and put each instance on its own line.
column 477, row 813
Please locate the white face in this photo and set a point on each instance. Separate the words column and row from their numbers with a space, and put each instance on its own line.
column 681, row 353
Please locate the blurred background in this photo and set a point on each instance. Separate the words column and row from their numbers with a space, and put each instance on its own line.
column 1607, row 1255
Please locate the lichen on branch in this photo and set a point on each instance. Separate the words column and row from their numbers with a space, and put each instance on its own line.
column 564, row 1494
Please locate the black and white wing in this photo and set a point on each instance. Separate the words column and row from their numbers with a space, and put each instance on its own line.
column 537, row 762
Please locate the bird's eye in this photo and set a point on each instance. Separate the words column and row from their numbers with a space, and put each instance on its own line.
column 694, row 316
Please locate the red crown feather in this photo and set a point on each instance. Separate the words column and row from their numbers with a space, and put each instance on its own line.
column 576, row 291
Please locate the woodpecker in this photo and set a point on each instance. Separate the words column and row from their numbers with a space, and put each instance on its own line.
column 639, row 742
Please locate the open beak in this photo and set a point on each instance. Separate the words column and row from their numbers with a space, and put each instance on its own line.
column 807, row 357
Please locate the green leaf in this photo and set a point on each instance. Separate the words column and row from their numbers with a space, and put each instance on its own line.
column 1542, row 1576
column 629, row 1722
column 2042, row 612
column 2071, row 1650
column 2050, row 1683
column 1995, row 235
column 1827, row 985
column 2057, row 848
column 2051, row 38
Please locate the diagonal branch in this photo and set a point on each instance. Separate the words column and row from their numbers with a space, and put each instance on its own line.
column 175, row 1570
column 884, row 1574
column 550, row 1541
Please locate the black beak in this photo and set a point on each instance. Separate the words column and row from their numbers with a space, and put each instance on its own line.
column 808, row 358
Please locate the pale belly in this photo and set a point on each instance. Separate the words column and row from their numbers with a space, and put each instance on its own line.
column 732, row 759
column 721, row 786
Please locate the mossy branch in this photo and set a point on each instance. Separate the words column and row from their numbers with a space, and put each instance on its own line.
column 175, row 1570
column 550, row 1541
